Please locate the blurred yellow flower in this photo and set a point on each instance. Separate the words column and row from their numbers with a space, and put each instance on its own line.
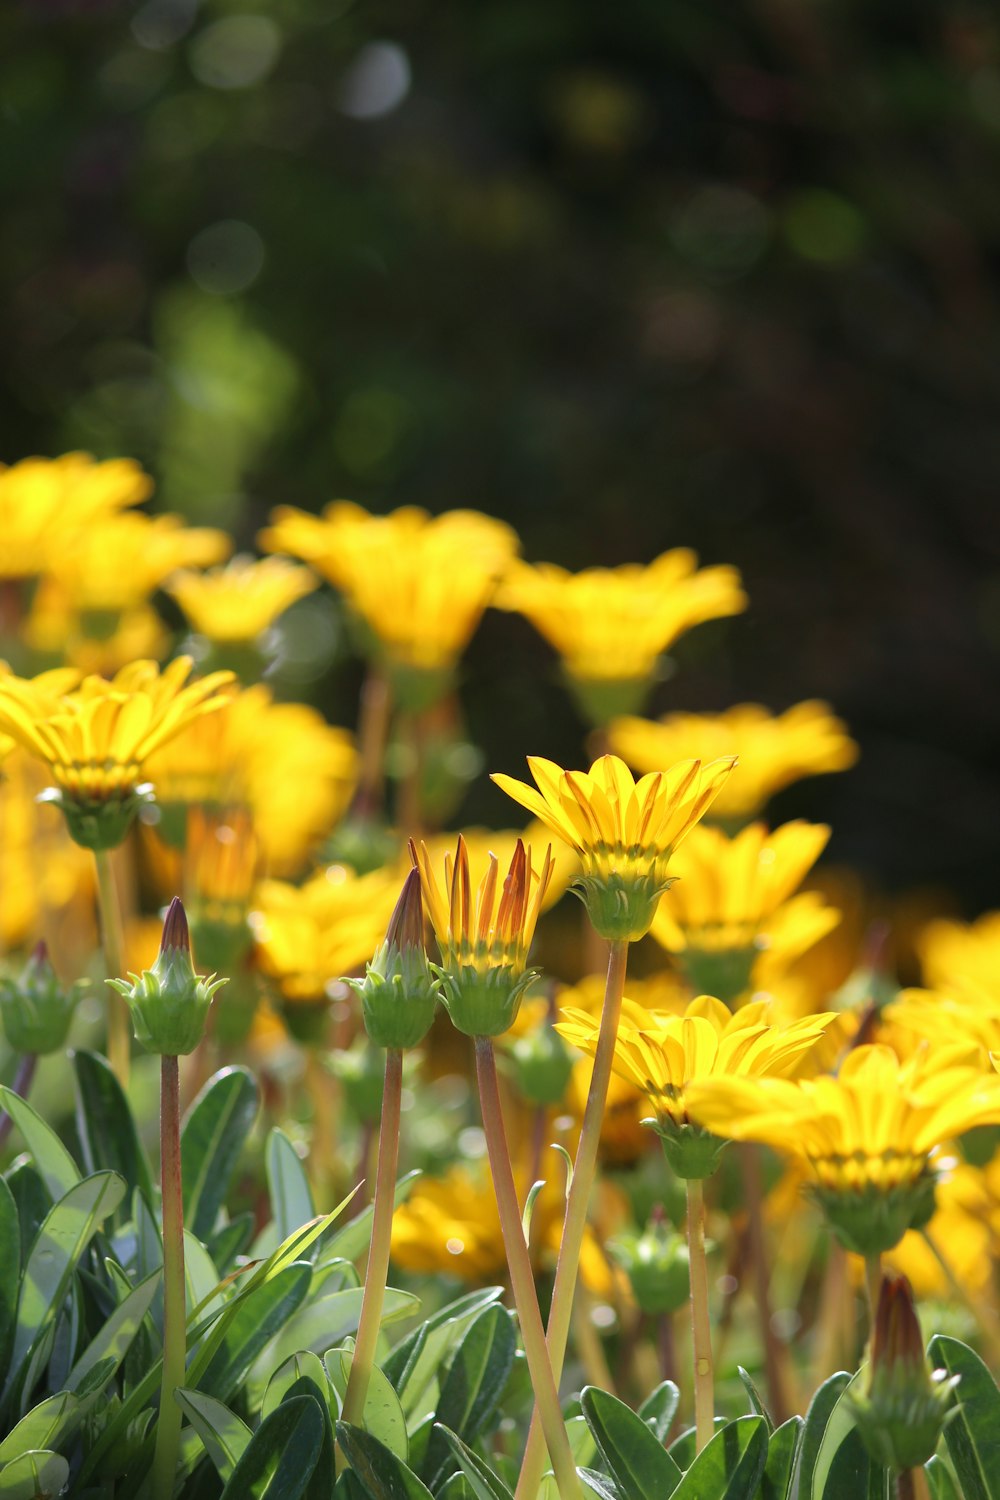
column 48, row 688
column 45, row 503
column 42, row 871
column 624, row 832
column 963, row 957
column 774, row 750
column 965, row 1226
column 295, row 772
column 610, row 625
column 118, row 562
column 419, row 583
column 237, row 603
column 919, row 1016
column 93, row 643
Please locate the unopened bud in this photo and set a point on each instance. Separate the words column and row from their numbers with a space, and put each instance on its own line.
column 400, row 990
column 656, row 1263
column 36, row 1009
column 540, row 1064
column 169, row 1002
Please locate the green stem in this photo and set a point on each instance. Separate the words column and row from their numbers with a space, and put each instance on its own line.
column 112, row 938
column 775, row 1364
column 701, row 1328
column 577, row 1205
column 522, row 1278
column 912, row 1485
column 168, row 1425
column 873, row 1285
column 20, row 1084
column 378, row 1251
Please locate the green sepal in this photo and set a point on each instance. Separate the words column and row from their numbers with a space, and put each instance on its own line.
column 621, row 908
column 99, row 824
column 169, row 1002
column 398, row 995
column 692, row 1153
column 483, row 1002
column 871, row 1221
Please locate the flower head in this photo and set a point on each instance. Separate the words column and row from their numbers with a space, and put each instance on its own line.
column 963, row 958
column 610, row 625
column 774, row 750
column 169, row 1002
column 484, row 937
column 36, row 1010
column 96, row 739
column 623, row 831
column 44, row 502
column 118, row 562
column 867, row 1136
column 399, row 992
column 237, row 603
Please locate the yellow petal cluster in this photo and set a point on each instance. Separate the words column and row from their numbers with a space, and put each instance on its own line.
column 47, row 504
column 963, row 957
column 47, row 878
column 117, row 564
column 774, row 750
column 237, row 603
column 419, row 583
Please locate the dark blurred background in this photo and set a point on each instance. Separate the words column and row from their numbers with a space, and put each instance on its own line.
column 630, row 276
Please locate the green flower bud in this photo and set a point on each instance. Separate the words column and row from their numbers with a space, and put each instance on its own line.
column 169, row 1002
column 902, row 1408
column 656, row 1263
column 362, row 843
column 102, row 823
column 484, row 1002
column 726, row 973
column 35, row 1008
column 601, row 699
column 621, row 907
column 692, row 1153
column 540, row 1065
column 400, row 989
column 871, row 1220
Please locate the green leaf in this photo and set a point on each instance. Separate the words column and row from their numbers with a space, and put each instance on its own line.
column 60, row 1242
column 323, row 1475
column 730, row 1466
column 32, row 1200
column 940, row 1481
column 782, row 1447
column 659, row 1409
column 105, row 1125
column 457, row 1487
column 57, row 1167
column 10, row 1260
column 302, row 1363
column 843, row 1467
column 599, row 1484
column 381, row 1474
column 282, row 1454
column 353, row 1239
column 820, row 1408
column 43, row 1427
column 472, row 1388
column 415, row 1361
column 484, row 1484
column 639, row 1465
column 757, row 1407
column 201, row 1277
column 40, row 1473
column 581, row 1441
column 328, row 1320
column 225, row 1436
column 215, row 1129
column 257, row 1318
column 230, row 1240
column 684, row 1448
column 288, row 1185
column 383, row 1413
column 973, row 1434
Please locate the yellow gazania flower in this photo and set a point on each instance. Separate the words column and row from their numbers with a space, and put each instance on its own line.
column 117, row 563
column 480, row 843
column 610, row 625
column 295, row 772
column 93, row 644
column 666, row 1056
column 774, row 750
column 483, row 938
column 963, row 957
column 47, row 688
column 45, row 877
column 867, row 1136
column 220, row 872
column 919, row 1016
column 45, row 503
column 623, row 831
column 97, row 739
column 418, row 583
column 716, row 917
column 237, row 603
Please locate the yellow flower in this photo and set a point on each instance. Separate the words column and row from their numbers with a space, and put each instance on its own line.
column 867, row 1136
column 97, row 739
column 118, row 562
column 418, row 583
column 295, row 772
column 965, row 1226
column 48, row 688
column 774, row 750
column 610, row 625
column 93, row 643
column 623, row 831
column 46, row 503
column 480, row 843
column 717, row 915
column 237, row 603
column 963, row 957
column 47, row 879
column 667, row 1056
column 484, row 938
column 918, row 1016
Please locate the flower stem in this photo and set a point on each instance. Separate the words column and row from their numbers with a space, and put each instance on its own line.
column 20, row 1084
column 168, row 1425
column 912, row 1485
column 873, row 1284
column 701, row 1328
column 119, row 1026
column 775, row 1363
column 378, row 1251
column 584, row 1171
column 521, row 1276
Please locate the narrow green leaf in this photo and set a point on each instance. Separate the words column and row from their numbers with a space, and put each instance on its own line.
column 201, row 1277
column 302, row 1363
column 415, row 1361
column 381, row 1474
column 659, row 1409
column 939, row 1480
column 820, row 1408
column 639, row 1465
column 973, row 1434
column 105, row 1124
column 257, row 1318
column 57, row 1167
column 354, row 1237
column 324, row 1473
column 58, row 1246
column 32, row 1200
column 383, row 1413
column 782, row 1447
column 215, row 1130
column 33, row 1475
column 599, row 1484
column 684, row 1448
column 473, row 1386
column 328, row 1320
column 457, row 1487
column 484, row 1484
column 42, row 1427
column 581, row 1441
column 288, row 1185
column 843, row 1467
column 10, row 1260
column 225, row 1435
column 230, row 1240
column 278, row 1462
column 730, row 1466
column 757, row 1407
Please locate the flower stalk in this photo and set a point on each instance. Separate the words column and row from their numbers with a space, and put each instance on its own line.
column 701, row 1328
column 168, row 1426
column 20, row 1084
column 112, row 939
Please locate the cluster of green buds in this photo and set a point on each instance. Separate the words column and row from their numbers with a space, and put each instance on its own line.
column 902, row 1408
column 36, row 1008
column 169, row 1002
column 656, row 1264
column 400, row 989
